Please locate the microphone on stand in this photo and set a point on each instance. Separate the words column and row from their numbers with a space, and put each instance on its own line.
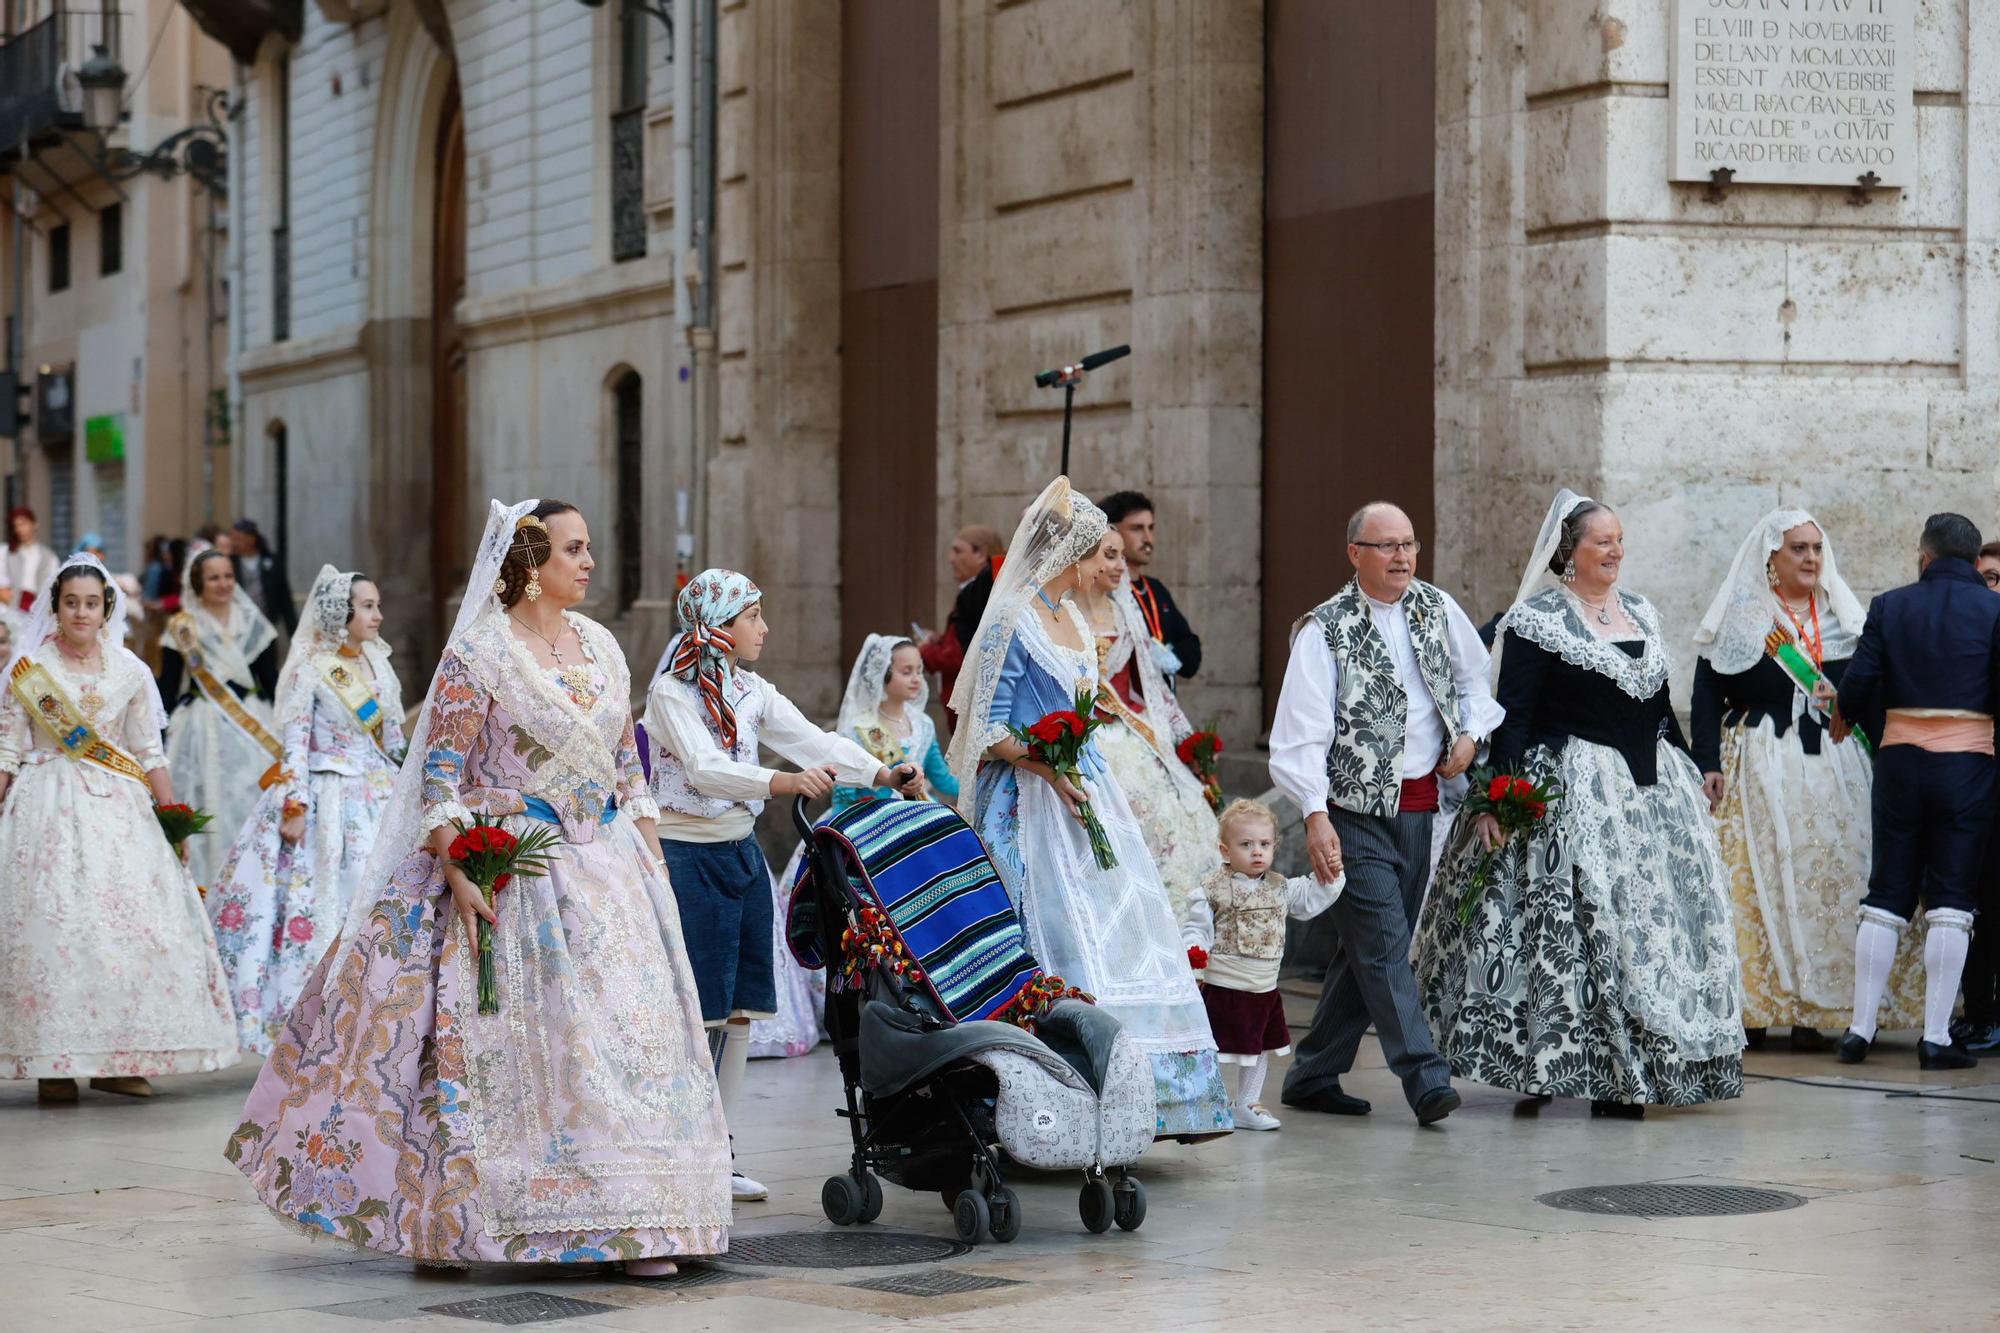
column 1049, row 379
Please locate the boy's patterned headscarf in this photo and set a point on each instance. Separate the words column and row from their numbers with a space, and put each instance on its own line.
column 701, row 655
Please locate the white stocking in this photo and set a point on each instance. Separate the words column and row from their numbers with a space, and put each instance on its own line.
column 1944, row 963
column 729, row 1062
column 1874, row 956
column 1250, row 1080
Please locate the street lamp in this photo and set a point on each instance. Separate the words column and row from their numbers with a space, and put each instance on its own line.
column 198, row 150
column 103, row 82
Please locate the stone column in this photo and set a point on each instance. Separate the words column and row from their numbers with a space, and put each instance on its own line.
column 1698, row 363
column 773, row 499
column 1103, row 180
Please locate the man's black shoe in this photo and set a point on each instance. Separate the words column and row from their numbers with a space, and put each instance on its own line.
column 1332, row 1101
column 1984, row 1039
column 1930, row 1055
column 1436, row 1104
column 1608, row 1110
column 1853, row 1049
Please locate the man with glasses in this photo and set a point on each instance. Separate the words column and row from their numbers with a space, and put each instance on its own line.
column 1385, row 694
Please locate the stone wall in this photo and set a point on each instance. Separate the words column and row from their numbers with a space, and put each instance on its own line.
column 773, row 506
column 1694, row 363
column 1103, row 183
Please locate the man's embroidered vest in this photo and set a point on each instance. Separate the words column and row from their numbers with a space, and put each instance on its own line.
column 1364, row 765
column 671, row 787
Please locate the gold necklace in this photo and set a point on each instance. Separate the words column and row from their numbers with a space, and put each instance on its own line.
column 575, row 676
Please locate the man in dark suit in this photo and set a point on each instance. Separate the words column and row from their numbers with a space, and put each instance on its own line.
column 974, row 552
column 260, row 571
column 1177, row 646
column 1926, row 681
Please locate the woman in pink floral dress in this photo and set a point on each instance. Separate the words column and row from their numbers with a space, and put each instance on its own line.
column 580, row 1123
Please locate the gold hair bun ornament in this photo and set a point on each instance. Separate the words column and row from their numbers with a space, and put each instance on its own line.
column 530, row 521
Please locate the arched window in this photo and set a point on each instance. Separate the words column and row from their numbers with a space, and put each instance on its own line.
column 628, row 401
column 281, row 485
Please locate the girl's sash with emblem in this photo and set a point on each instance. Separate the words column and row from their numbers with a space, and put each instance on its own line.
column 224, row 698
column 354, row 692
column 35, row 686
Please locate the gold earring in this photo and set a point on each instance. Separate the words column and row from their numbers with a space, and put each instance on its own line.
column 534, row 585
column 500, row 587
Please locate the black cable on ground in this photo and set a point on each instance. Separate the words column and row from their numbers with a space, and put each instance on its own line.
column 1909, row 1094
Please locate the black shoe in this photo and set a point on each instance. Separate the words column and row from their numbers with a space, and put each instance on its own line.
column 1753, row 1038
column 1331, row 1100
column 1853, row 1049
column 1930, row 1055
column 1962, row 1030
column 1436, row 1104
column 1984, row 1039
column 1602, row 1110
column 1809, row 1040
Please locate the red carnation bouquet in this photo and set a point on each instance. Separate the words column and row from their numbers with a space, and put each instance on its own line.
column 181, row 822
column 1198, row 752
column 1517, row 805
column 490, row 856
column 1058, row 740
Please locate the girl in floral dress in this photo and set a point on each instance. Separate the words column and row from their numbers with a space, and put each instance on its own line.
column 285, row 887
column 580, row 1123
column 218, row 671
column 1143, row 723
column 109, row 971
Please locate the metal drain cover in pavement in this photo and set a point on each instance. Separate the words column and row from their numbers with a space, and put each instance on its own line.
column 521, row 1307
column 841, row 1249
column 933, row 1282
column 1671, row 1200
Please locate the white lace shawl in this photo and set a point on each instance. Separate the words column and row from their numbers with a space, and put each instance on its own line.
column 1550, row 620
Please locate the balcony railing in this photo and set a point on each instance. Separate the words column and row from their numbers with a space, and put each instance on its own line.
column 39, row 93
column 628, row 184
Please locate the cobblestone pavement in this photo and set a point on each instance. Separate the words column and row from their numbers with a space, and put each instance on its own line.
column 117, row 1214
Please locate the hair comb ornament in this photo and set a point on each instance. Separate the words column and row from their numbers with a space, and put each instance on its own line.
column 529, row 521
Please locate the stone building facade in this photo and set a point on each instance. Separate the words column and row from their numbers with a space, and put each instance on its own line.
column 120, row 311
column 1429, row 253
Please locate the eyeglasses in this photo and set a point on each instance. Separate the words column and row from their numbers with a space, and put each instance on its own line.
column 1992, row 577
column 1393, row 548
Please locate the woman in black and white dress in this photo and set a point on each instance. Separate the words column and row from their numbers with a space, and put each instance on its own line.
column 1600, row 960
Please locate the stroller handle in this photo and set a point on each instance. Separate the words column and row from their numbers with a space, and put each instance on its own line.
column 799, row 820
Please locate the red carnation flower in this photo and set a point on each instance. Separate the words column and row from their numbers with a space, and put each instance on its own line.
column 1496, row 790
column 1523, row 788
column 457, row 849
column 501, row 882
column 1197, row 957
column 1538, row 808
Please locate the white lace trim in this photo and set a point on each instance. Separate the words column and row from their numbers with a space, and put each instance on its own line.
column 1549, row 621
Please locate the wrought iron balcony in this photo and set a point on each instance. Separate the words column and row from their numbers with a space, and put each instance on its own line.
column 40, row 97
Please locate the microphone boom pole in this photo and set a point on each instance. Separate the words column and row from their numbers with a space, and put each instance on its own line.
column 1068, row 377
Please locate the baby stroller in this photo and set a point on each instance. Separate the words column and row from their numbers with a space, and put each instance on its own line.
column 922, row 949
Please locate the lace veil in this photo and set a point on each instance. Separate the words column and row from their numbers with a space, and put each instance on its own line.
column 248, row 633
column 41, row 627
column 861, row 705
column 1745, row 609
column 1537, row 575
column 1056, row 530
column 323, row 630
column 403, row 817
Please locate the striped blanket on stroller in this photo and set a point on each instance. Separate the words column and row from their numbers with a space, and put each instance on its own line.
column 924, row 868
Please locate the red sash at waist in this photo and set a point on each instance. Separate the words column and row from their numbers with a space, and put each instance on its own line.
column 1420, row 795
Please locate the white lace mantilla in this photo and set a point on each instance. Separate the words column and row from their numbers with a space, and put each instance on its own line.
column 1549, row 620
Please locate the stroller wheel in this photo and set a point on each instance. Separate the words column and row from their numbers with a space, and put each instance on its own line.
column 841, row 1200
column 871, row 1197
column 1131, row 1204
column 950, row 1198
column 1095, row 1205
column 971, row 1218
column 1006, row 1210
